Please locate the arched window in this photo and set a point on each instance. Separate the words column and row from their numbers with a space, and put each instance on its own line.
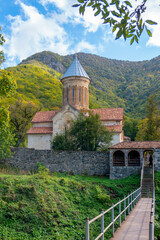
column 73, row 95
column 79, row 94
column 118, row 158
column 133, row 158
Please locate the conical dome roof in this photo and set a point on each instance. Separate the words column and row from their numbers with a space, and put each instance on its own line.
column 75, row 69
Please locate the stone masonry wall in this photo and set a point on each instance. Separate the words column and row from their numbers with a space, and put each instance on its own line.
column 156, row 159
column 77, row 162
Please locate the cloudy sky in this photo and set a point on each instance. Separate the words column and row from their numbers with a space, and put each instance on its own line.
column 32, row 26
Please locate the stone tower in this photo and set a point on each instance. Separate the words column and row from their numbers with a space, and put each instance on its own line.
column 75, row 86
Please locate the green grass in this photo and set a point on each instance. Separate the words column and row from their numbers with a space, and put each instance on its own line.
column 157, row 211
column 54, row 206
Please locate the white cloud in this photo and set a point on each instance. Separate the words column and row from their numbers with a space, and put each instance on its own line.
column 70, row 14
column 153, row 13
column 35, row 33
column 84, row 45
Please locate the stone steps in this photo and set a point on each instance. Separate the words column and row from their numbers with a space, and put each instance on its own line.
column 147, row 182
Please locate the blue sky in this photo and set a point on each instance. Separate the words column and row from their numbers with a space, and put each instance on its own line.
column 31, row 26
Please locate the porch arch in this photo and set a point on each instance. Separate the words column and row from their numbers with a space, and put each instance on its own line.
column 134, row 158
column 118, row 158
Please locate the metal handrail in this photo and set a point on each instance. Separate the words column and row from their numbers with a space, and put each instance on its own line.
column 142, row 171
column 131, row 200
column 152, row 214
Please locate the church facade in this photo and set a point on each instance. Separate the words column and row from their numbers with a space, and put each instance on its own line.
column 46, row 124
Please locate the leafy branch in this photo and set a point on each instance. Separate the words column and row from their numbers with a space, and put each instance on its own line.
column 122, row 17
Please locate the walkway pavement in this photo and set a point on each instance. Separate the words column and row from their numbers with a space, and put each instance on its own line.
column 136, row 225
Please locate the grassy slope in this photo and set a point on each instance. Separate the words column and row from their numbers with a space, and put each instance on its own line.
column 38, row 83
column 55, row 206
column 157, row 212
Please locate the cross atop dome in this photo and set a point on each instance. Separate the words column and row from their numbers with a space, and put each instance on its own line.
column 75, row 69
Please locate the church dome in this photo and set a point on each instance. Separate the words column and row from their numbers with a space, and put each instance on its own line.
column 75, row 86
column 75, row 69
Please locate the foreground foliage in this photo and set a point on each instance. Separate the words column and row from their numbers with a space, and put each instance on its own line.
column 43, row 207
column 122, row 16
column 157, row 212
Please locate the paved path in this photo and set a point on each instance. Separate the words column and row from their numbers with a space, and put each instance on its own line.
column 136, row 225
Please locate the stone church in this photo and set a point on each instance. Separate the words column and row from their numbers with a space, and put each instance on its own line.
column 46, row 124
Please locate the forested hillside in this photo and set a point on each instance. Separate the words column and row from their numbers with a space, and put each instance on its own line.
column 114, row 83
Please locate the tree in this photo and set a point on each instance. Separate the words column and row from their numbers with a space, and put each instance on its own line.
column 130, row 127
column 149, row 128
column 121, row 16
column 86, row 133
column 7, row 87
column 64, row 141
column 6, row 137
column 21, row 114
column 7, row 83
column 2, row 40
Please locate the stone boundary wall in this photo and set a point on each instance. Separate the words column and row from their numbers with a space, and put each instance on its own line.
column 77, row 162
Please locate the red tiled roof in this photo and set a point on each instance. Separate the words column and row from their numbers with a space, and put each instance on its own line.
column 114, row 128
column 40, row 130
column 127, row 138
column 137, row 144
column 45, row 116
column 109, row 113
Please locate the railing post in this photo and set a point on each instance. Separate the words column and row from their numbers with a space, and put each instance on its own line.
column 124, row 208
column 87, row 228
column 112, row 219
column 128, row 204
column 150, row 231
column 133, row 199
column 102, row 224
column 119, row 213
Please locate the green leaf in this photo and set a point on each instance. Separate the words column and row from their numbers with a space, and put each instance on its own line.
column 107, row 20
column 98, row 12
column 136, row 39
column 119, row 33
column 132, row 40
column 151, row 22
column 82, row 9
column 149, row 32
column 76, row 5
column 129, row 35
column 81, row 1
column 116, row 14
column 128, row 3
column 114, row 28
column 90, row 4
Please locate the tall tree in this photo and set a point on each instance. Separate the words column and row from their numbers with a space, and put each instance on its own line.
column 6, row 137
column 86, row 133
column 130, row 127
column 21, row 114
column 149, row 128
column 7, row 87
column 122, row 16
